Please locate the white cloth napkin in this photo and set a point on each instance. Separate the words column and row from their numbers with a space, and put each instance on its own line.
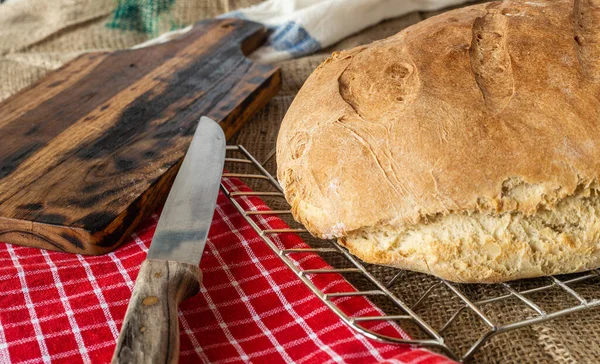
column 301, row 27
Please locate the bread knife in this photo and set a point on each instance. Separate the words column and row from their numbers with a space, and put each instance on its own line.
column 170, row 273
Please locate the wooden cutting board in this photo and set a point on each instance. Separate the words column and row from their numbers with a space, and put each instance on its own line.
column 89, row 151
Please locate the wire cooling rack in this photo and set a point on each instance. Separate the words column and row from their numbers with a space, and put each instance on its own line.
column 456, row 319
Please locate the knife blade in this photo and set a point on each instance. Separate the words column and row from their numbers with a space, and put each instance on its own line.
column 170, row 273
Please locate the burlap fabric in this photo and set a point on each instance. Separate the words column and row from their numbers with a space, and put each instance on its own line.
column 38, row 36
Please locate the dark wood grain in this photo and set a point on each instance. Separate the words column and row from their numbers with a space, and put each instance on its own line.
column 150, row 331
column 92, row 149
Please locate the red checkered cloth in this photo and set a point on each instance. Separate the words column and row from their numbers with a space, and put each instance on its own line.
column 57, row 307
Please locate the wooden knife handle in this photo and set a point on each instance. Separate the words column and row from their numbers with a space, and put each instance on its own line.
column 150, row 331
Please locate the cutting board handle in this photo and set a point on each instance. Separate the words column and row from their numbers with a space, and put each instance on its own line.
column 150, row 331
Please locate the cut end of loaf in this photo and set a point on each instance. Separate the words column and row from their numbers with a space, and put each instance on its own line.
column 478, row 247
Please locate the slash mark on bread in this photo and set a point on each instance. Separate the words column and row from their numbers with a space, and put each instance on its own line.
column 490, row 60
column 586, row 16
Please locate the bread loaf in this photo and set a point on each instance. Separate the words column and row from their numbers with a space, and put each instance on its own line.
column 466, row 146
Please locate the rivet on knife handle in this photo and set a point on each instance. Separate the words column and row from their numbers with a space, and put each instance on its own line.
column 150, row 331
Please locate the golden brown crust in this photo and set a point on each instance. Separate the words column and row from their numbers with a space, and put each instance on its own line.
column 491, row 109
